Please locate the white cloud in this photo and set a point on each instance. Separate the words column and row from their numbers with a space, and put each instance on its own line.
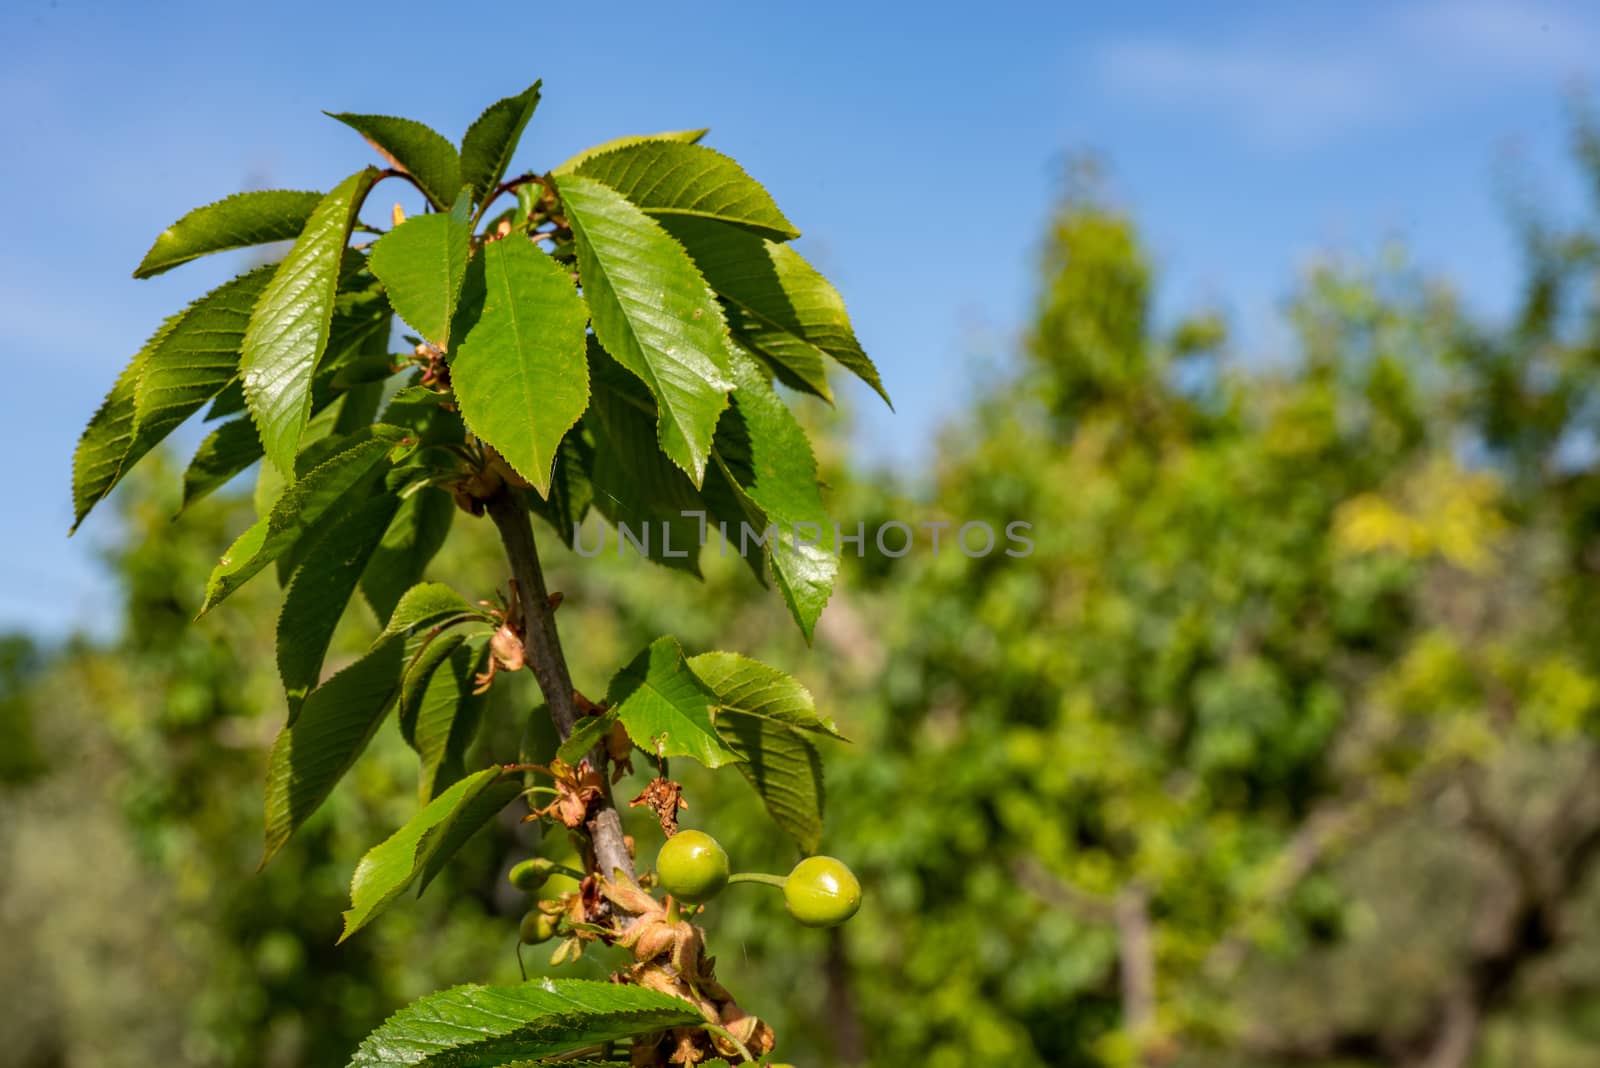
column 1292, row 84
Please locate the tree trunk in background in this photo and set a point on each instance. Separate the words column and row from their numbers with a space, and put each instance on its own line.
column 849, row 1039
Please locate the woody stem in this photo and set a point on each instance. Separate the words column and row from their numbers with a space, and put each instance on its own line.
column 543, row 646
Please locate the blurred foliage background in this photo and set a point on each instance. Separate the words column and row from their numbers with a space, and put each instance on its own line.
column 1280, row 748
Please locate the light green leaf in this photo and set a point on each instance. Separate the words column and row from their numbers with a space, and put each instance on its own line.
column 654, row 314
column 481, row 1026
column 491, row 140
column 667, row 178
column 779, row 306
column 750, row 688
column 289, row 328
column 320, row 744
column 421, row 262
column 520, row 373
column 298, row 508
column 244, row 219
column 226, row 452
column 321, row 589
column 388, row 868
column 762, row 713
column 190, row 359
column 764, row 452
column 684, row 136
column 424, row 605
column 414, row 148
column 416, row 535
column 439, row 710
column 665, row 708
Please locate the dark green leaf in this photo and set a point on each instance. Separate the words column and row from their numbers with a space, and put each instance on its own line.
column 571, row 491
column 684, row 136
column 635, row 486
column 414, row 148
column 421, row 262
column 388, row 868
column 669, row 178
column 227, row 452
column 750, row 688
column 654, row 314
column 491, row 140
column 778, row 304
column 520, row 373
column 439, row 710
column 425, row 605
column 763, row 451
column 321, row 589
column 416, row 535
column 321, row 743
column 196, row 359
column 481, row 1026
column 665, row 708
column 243, row 219
column 191, row 358
column 289, row 329
column 300, row 506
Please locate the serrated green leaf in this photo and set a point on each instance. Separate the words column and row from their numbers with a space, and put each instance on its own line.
column 750, row 688
column 784, row 770
column 321, row 589
column 197, row 358
column 778, row 304
column 297, row 508
column 520, row 374
column 227, row 452
column 764, row 452
column 440, row 710
column 665, row 708
column 667, row 178
column 244, row 219
column 390, row 867
column 425, row 605
column 684, row 136
column 289, row 329
column 333, row 726
column 414, row 148
column 421, row 262
column 654, row 314
column 190, row 359
column 761, row 712
column 491, row 141
column 571, row 491
column 635, row 486
column 482, row 1026
column 416, row 535
column 588, row 733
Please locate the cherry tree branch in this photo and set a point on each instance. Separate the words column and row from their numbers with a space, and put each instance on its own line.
column 543, row 646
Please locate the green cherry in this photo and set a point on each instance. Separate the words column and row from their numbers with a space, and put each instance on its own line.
column 692, row 867
column 537, row 927
column 821, row 892
column 531, row 874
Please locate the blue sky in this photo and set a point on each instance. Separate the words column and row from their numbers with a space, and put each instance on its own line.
column 917, row 145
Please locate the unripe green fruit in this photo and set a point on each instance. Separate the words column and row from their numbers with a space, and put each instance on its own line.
column 537, row 927
column 531, row 874
column 692, row 867
column 821, row 892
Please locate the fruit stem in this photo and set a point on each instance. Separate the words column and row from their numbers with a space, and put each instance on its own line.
column 673, row 915
column 756, row 877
